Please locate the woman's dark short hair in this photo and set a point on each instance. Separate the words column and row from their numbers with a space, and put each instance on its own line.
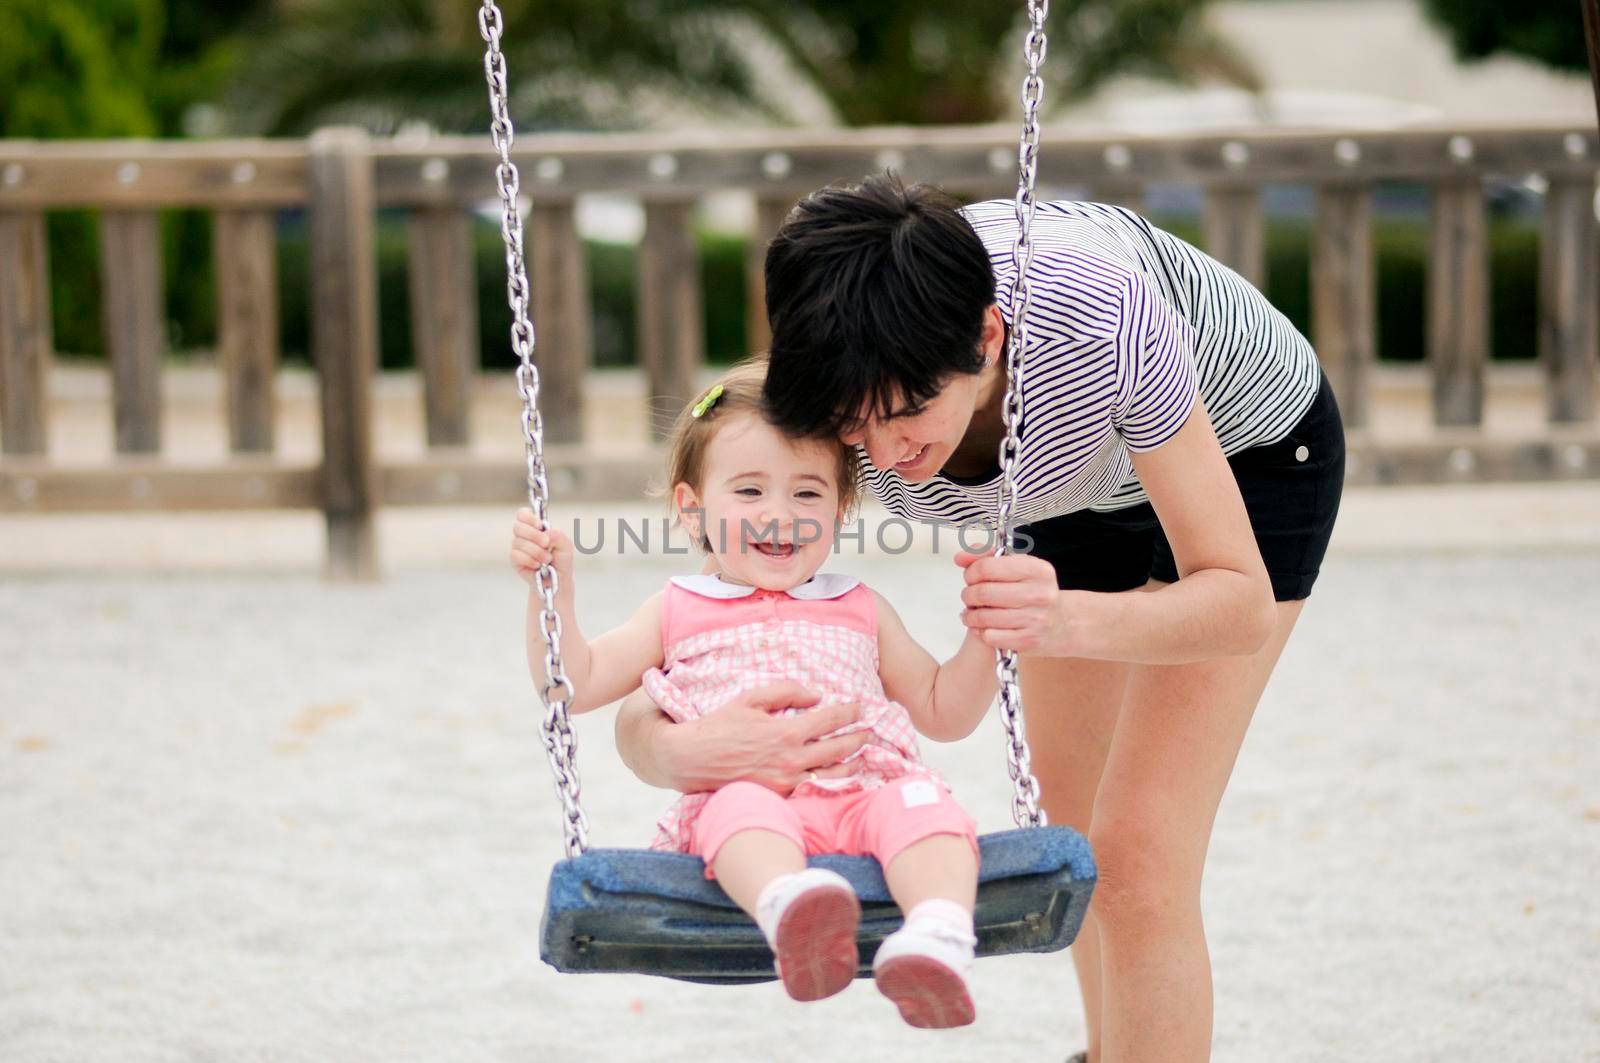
column 876, row 293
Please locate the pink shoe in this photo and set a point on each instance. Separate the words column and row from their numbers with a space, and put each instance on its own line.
column 923, row 968
column 815, row 914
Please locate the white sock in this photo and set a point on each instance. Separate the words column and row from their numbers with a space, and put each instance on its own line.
column 956, row 917
column 770, row 904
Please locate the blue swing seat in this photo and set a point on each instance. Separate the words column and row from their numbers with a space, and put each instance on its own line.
column 634, row 911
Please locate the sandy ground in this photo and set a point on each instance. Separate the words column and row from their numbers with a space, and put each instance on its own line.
column 250, row 815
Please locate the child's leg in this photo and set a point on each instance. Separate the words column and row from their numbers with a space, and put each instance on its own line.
column 926, row 842
column 751, row 858
column 939, row 867
column 928, row 846
column 753, row 842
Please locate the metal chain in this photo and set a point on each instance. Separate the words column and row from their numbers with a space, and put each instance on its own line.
column 556, row 728
column 1025, row 798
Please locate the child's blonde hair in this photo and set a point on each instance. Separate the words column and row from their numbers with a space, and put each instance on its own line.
column 740, row 394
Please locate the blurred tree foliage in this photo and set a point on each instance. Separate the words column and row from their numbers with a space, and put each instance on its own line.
column 589, row 63
column 114, row 68
column 82, row 68
column 1550, row 31
column 117, row 68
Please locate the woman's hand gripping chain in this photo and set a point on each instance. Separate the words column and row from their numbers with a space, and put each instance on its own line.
column 1013, row 603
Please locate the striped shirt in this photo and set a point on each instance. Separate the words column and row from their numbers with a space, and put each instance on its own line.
column 1127, row 323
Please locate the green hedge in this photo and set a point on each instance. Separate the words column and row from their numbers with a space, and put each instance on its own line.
column 191, row 304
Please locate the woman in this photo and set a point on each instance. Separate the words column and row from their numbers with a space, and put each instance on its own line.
column 1181, row 469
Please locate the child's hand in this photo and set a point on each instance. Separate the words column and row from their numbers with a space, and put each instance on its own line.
column 533, row 546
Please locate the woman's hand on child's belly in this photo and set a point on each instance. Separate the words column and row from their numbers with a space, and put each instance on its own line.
column 750, row 738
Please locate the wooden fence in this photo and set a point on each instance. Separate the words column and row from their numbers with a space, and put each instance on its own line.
column 343, row 178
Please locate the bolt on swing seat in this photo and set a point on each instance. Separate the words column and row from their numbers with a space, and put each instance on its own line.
column 646, row 912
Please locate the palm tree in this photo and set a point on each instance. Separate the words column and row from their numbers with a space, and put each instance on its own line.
column 594, row 63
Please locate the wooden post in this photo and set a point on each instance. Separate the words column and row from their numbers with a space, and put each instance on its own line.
column 444, row 320
column 1568, row 276
column 558, row 271
column 1458, row 301
column 1344, row 295
column 134, row 317
column 25, row 336
column 671, row 330
column 770, row 214
column 1234, row 230
column 245, row 250
column 344, row 342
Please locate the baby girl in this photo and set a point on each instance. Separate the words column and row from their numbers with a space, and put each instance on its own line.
column 765, row 509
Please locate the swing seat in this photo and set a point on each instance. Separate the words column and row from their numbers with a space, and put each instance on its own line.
column 635, row 911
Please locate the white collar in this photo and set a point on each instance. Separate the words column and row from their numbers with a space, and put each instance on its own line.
column 823, row 585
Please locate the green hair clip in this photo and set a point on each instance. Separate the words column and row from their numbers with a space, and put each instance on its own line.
column 706, row 403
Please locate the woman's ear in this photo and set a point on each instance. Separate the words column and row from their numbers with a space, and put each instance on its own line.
column 691, row 515
column 992, row 341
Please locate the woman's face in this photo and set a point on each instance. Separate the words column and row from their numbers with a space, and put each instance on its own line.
column 916, row 441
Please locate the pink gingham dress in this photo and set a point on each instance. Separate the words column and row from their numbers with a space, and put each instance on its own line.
column 721, row 639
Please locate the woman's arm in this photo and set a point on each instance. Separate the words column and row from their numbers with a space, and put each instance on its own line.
column 946, row 701
column 743, row 739
column 1221, row 606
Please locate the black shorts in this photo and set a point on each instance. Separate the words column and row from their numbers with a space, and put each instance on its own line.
column 1291, row 490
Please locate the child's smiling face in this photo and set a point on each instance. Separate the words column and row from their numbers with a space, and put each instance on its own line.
column 769, row 504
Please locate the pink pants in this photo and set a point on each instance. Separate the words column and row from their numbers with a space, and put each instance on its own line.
column 877, row 823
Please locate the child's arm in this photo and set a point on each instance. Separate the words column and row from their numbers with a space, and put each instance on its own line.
column 610, row 666
column 607, row 668
column 946, row 701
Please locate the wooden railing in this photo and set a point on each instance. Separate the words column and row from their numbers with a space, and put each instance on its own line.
column 343, row 178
